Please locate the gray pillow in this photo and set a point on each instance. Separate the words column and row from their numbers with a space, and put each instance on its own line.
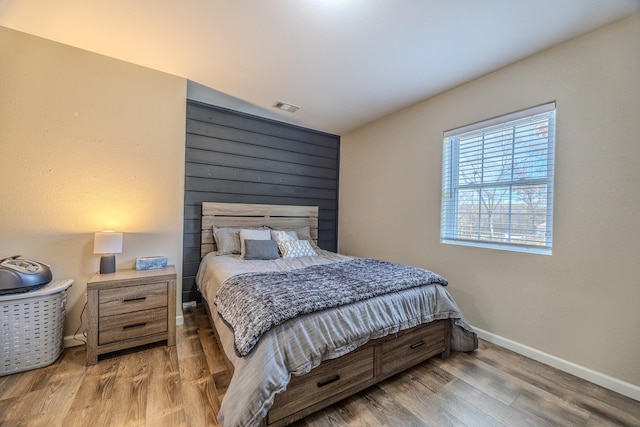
column 227, row 240
column 261, row 249
column 252, row 234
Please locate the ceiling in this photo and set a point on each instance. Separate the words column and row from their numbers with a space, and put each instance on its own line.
column 344, row 62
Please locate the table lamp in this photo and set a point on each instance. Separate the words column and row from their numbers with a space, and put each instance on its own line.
column 108, row 243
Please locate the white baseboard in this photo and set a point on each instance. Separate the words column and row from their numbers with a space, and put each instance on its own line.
column 604, row 380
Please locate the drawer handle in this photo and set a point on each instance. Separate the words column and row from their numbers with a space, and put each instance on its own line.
column 134, row 299
column 416, row 345
column 134, row 325
column 329, row 381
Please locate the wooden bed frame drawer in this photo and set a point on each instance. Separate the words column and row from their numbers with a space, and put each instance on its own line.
column 413, row 346
column 134, row 298
column 132, row 325
column 324, row 381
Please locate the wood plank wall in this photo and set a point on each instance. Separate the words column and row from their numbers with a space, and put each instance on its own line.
column 240, row 158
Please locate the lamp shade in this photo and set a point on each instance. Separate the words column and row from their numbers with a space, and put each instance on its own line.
column 107, row 242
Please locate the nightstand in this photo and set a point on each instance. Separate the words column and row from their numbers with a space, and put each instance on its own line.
column 130, row 308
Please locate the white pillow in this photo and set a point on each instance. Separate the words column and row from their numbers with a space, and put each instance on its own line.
column 247, row 234
column 283, row 235
column 296, row 248
column 302, row 233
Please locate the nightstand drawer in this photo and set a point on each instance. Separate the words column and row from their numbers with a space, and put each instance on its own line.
column 134, row 298
column 132, row 325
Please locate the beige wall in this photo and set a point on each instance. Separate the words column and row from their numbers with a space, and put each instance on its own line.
column 581, row 303
column 88, row 143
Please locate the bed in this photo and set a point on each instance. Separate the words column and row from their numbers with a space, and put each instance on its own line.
column 294, row 367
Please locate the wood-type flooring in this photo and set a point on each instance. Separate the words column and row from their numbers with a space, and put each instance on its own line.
column 183, row 386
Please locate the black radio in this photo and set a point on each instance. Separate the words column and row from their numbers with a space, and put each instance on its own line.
column 20, row 274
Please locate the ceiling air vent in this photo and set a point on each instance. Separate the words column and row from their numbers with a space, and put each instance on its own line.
column 286, row 107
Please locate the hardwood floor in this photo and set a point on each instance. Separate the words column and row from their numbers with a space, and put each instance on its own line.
column 183, row 386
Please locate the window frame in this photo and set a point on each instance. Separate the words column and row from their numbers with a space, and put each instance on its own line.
column 543, row 176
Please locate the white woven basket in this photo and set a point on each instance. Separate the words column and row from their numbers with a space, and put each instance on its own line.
column 32, row 327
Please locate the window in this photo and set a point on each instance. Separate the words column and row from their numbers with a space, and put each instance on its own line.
column 497, row 182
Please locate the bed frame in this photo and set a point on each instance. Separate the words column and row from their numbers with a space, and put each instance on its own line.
column 338, row 378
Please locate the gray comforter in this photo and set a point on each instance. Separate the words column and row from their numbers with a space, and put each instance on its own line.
column 253, row 303
column 296, row 346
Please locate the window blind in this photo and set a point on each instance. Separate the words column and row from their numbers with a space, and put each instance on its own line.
column 497, row 182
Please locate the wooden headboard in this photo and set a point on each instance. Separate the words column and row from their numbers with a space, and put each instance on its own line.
column 250, row 215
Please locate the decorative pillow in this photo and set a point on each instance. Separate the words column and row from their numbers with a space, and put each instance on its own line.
column 261, row 249
column 227, row 240
column 252, row 234
column 296, row 248
column 283, row 235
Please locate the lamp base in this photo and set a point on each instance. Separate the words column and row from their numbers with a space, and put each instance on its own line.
column 107, row 264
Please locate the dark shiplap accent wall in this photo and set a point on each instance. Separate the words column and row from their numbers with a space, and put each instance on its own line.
column 239, row 158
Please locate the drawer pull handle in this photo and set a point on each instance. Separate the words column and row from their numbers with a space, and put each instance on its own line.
column 134, row 299
column 416, row 345
column 134, row 325
column 329, row 381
